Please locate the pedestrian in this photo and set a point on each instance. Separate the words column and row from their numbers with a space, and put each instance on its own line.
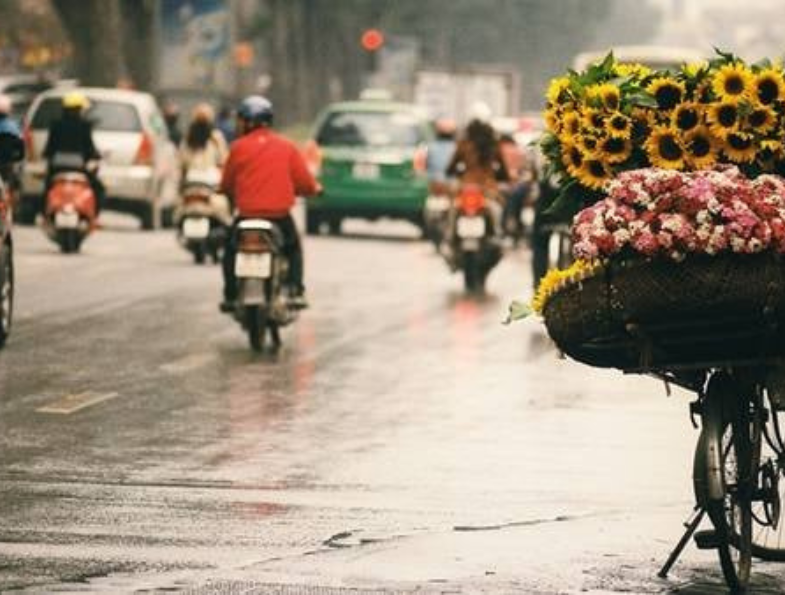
column 172, row 121
column 225, row 123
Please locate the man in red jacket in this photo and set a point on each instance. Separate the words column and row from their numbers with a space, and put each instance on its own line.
column 263, row 175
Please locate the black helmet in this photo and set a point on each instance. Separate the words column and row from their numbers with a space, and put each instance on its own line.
column 256, row 110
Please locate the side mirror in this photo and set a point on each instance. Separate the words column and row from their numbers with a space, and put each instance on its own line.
column 12, row 149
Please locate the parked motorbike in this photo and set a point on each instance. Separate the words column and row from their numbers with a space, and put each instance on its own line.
column 261, row 270
column 436, row 214
column 473, row 245
column 202, row 222
column 70, row 211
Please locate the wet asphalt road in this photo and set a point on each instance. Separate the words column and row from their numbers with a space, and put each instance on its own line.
column 402, row 440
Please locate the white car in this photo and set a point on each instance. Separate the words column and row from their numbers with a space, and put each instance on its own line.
column 138, row 161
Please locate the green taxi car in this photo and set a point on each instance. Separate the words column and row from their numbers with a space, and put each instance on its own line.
column 370, row 157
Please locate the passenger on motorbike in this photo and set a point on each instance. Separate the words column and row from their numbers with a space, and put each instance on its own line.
column 263, row 175
column 9, row 172
column 441, row 150
column 69, row 136
column 203, row 154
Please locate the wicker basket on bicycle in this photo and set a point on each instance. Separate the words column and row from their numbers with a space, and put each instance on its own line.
column 642, row 314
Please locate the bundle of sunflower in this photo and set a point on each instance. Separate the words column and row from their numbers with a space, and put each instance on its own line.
column 616, row 117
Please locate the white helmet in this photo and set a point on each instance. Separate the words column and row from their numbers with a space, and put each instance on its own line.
column 481, row 111
column 5, row 105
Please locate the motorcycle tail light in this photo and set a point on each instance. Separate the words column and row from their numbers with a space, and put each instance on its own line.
column 254, row 243
column 191, row 199
column 472, row 201
column 144, row 154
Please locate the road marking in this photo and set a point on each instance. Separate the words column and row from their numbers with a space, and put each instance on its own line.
column 76, row 402
column 187, row 363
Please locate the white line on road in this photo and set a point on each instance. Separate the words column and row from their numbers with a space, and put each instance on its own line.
column 187, row 363
column 76, row 402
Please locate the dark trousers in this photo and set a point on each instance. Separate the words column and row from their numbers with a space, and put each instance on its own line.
column 292, row 250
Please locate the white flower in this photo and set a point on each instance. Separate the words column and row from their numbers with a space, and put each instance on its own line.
column 703, row 216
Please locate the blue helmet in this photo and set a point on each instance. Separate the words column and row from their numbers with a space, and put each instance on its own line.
column 256, row 110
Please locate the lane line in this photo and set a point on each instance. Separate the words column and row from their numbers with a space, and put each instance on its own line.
column 187, row 363
column 74, row 402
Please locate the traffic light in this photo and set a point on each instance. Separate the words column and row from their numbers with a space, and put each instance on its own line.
column 372, row 40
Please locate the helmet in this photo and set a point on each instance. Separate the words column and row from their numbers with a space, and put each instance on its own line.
column 75, row 100
column 5, row 105
column 445, row 126
column 256, row 110
column 481, row 111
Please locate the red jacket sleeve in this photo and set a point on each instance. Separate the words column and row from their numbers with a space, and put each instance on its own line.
column 304, row 182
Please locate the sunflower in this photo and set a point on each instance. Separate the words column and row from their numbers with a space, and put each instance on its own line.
column 664, row 148
column 618, row 125
column 733, row 81
column 739, row 147
column 631, row 70
column 723, row 118
column 769, row 86
column 700, row 148
column 687, row 116
column 695, row 69
column 594, row 173
column 571, row 123
column 552, row 117
column 615, row 149
column 572, row 158
column 609, row 95
column 593, row 120
column 588, row 143
column 667, row 91
column 762, row 119
column 769, row 154
column 556, row 90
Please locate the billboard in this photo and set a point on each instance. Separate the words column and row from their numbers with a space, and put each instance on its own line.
column 196, row 45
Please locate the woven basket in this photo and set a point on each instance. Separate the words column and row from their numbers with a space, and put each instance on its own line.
column 702, row 312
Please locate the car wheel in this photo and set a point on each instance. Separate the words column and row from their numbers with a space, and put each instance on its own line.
column 312, row 223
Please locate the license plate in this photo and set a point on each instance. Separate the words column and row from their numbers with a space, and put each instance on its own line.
column 66, row 220
column 196, row 228
column 437, row 203
column 471, row 227
column 254, row 266
column 365, row 171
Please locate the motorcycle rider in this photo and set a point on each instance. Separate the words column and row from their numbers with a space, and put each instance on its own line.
column 262, row 177
column 204, row 149
column 440, row 151
column 9, row 172
column 73, row 134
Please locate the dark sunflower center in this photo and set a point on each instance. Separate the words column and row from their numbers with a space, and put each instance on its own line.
column 734, row 85
column 700, row 146
column 727, row 115
column 614, row 146
column 668, row 96
column 596, row 168
column 768, row 91
column 669, row 148
column 596, row 120
column 611, row 101
column 740, row 143
column 590, row 143
column 687, row 119
column 619, row 123
column 575, row 157
column 758, row 118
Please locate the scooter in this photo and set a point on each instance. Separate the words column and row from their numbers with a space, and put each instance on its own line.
column 261, row 268
column 70, row 211
column 473, row 245
column 201, row 224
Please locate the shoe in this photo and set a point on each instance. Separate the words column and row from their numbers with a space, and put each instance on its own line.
column 227, row 306
column 298, row 301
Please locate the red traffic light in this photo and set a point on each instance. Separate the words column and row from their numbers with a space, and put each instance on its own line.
column 372, row 40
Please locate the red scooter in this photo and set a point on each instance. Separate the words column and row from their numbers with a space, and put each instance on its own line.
column 70, row 213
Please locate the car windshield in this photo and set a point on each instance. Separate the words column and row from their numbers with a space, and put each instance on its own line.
column 363, row 129
column 112, row 116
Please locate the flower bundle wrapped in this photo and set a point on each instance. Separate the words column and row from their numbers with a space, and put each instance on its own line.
column 615, row 117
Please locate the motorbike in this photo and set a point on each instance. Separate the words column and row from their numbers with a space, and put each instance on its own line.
column 473, row 245
column 202, row 224
column 70, row 211
column 436, row 213
column 261, row 268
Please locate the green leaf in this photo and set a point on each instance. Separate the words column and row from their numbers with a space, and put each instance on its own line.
column 518, row 311
column 566, row 204
column 642, row 99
